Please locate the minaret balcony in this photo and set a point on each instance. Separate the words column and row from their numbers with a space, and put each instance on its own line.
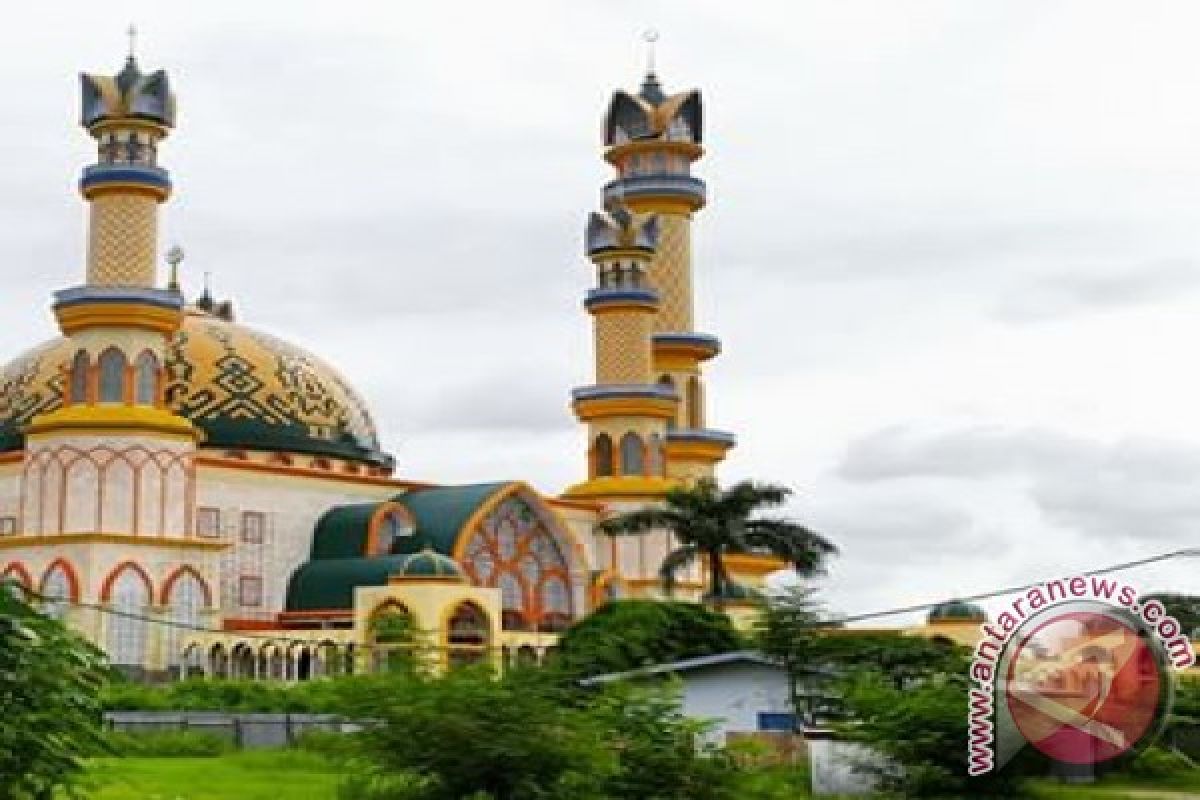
column 145, row 177
column 617, row 299
column 698, row 444
column 625, row 400
column 145, row 308
column 688, row 346
column 678, row 188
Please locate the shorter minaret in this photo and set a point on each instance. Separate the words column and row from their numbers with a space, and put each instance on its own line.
column 118, row 323
column 626, row 411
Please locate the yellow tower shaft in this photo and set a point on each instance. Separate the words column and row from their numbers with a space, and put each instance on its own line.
column 122, row 238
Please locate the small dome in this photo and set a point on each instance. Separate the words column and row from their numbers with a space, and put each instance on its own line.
column 956, row 611
column 429, row 565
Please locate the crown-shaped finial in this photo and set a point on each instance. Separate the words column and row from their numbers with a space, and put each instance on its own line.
column 619, row 229
column 130, row 94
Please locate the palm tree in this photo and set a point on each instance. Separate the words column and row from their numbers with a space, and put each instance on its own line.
column 713, row 522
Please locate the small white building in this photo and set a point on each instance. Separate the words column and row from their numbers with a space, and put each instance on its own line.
column 741, row 692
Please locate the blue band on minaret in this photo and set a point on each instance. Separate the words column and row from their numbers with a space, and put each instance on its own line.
column 100, row 174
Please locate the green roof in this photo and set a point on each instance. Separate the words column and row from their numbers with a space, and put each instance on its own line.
column 441, row 512
column 329, row 584
column 342, row 532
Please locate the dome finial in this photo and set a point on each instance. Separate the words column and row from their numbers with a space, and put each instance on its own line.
column 132, row 33
column 650, row 37
column 174, row 258
column 205, row 301
column 651, row 89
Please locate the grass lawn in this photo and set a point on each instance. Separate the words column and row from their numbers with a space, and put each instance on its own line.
column 247, row 775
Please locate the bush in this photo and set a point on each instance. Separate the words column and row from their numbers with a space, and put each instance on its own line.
column 165, row 744
column 223, row 694
column 332, row 745
column 1156, row 763
column 49, row 682
column 627, row 634
column 369, row 782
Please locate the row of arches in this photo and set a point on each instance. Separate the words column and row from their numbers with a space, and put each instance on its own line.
column 297, row 661
column 396, row 635
column 632, row 457
column 107, row 488
column 129, row 592
column 271, row 660
column 112, row 379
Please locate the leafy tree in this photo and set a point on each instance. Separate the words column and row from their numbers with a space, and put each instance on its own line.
column 522, row 736
column 49, row 707
column 516, row 737
column 627, row 634
column 711, row 522
column 660, row 752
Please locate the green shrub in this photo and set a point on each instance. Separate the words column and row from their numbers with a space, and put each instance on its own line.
column 331, row 744
column 367, row 782
column 1157, row 762
column 49, row 682
column 627, row 634
column 166, row 743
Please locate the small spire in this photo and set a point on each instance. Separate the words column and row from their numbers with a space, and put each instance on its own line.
column 132, row 33
column 650, row 37
column 205, row 301
column 174, row 258
column 651, row 89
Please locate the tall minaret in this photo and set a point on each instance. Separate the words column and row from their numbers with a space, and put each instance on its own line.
column 652, row 139
column 108, row 479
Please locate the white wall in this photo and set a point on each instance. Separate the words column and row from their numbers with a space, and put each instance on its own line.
column 734, row 694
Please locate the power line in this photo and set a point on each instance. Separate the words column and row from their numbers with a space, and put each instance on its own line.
column 1126, row 565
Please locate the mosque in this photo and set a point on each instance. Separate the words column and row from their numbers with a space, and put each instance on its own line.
column 162, row 461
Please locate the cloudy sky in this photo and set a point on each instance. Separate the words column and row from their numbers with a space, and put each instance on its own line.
column 952, row 249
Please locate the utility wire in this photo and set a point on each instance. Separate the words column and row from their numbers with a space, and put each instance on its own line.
column 1127, row 565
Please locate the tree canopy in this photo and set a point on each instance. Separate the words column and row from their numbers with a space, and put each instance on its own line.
column 50, row 682
column 710, row 522
column 627, row 634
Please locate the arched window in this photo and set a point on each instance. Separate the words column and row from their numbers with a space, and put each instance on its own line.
column 15, row 573
column 467, row 635
column 695, row 403
column 633, row 461
column 556, row 605
column 79, row 377
column 186, row 599
column 604, row 456
column 667, row 382
column 112, row 376
column 130, row 595
column 56, row 588
column 512, row 598
column 393, row 633
column 516, row 551
column 146, row 380
column 655, row 464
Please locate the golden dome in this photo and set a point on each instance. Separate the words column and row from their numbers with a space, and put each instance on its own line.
column 241, row 387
